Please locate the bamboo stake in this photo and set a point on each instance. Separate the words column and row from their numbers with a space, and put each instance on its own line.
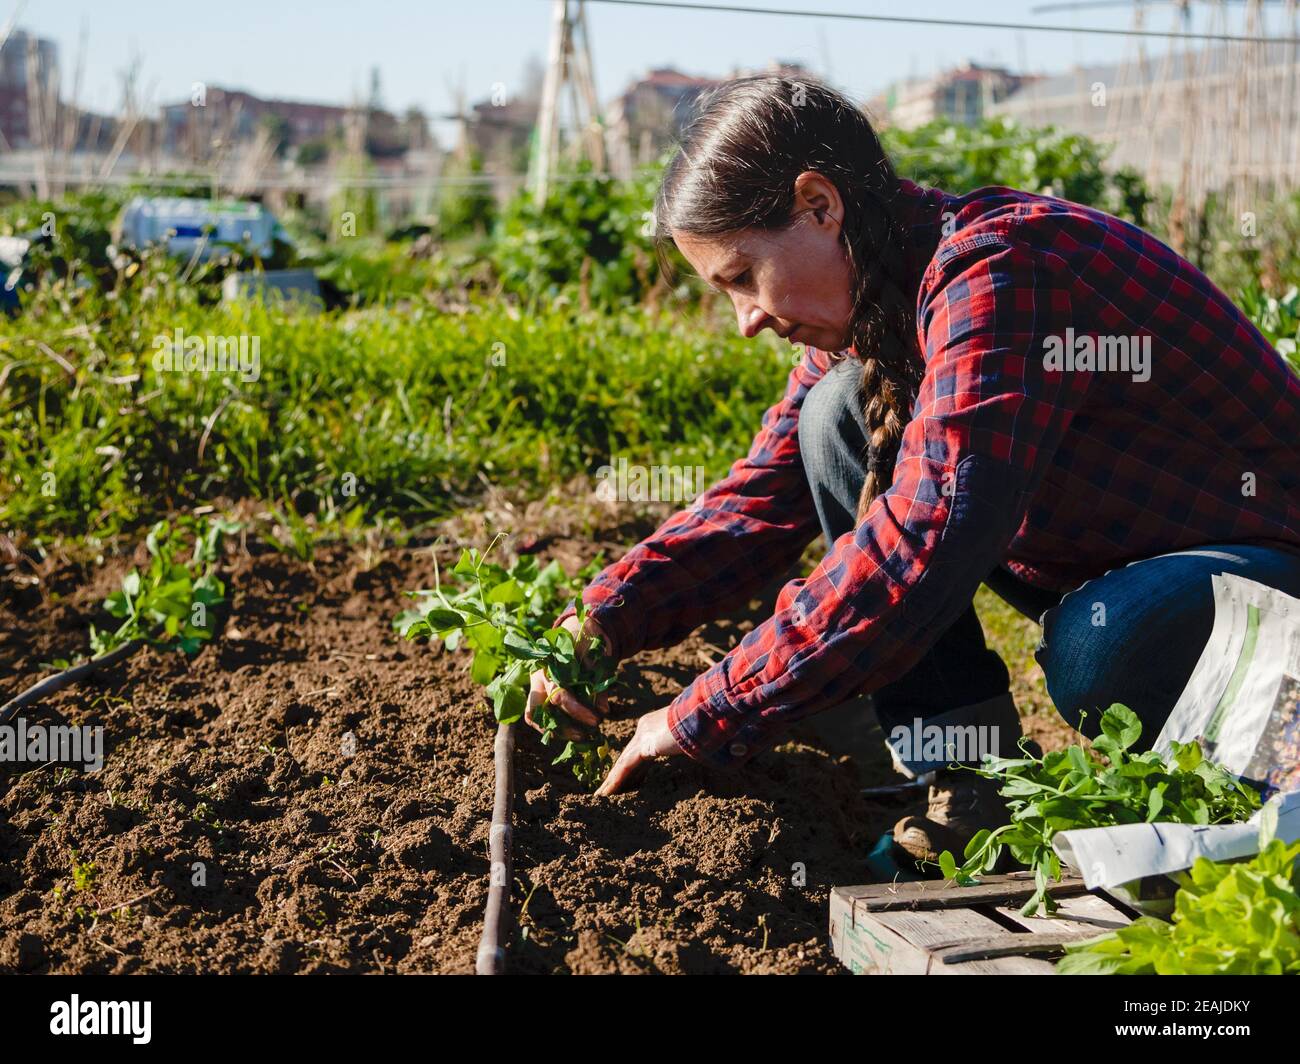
column 497, row 922
column 60, row 680
column 548, row 118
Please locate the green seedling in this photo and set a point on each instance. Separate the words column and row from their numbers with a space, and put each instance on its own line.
column 1230, row 918
column 83, row 873
column 505, row 617
column 170, row 603
column 1073, row 788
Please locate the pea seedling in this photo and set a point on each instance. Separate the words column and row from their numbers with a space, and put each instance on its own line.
column 505, row 616
column 1071, row 788
column 169, row 603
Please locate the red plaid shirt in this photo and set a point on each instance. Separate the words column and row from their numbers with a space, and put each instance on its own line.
column 1060, row 473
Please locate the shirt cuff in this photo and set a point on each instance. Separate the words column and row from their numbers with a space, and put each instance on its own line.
column 709, row 729
column 619, row 614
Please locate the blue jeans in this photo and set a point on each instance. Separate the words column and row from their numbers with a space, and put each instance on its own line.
column 1130, row 635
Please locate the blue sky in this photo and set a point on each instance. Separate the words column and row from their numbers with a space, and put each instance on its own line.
column 323, row 50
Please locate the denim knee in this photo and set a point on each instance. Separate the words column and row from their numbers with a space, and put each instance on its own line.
column 832, row 444
column 1135, row 634
column 831, row 416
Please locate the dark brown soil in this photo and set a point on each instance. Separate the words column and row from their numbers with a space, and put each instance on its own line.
column 230, row 830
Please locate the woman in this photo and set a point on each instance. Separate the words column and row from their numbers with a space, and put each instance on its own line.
column 997, row 387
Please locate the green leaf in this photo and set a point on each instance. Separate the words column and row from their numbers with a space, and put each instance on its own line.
column 1268, row 824
column 976, row 842
column 158, row 535
column 507, row 593
column 485, row 668
column 116, row 604
column 1156, row 802
column 441, row 620
column 522, row 646
column 1121, row 725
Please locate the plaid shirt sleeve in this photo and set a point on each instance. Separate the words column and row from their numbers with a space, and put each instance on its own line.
column 732, row 540
column 987, row 419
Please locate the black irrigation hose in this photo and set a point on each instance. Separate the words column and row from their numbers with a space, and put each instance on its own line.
column 60, row 680
column 497, row 919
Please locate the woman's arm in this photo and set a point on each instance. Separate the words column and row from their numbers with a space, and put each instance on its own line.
column 731, row 541
column 987, row 421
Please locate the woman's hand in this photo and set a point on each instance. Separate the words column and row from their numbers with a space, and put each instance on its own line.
column 653, row 739
column 542, row 688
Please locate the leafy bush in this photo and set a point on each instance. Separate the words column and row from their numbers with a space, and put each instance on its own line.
column 1000, row 151
column 469, row 209
column 592, row 233
column 1277, row 319
column 1239, row 251
column 415, row 405
column 169, row 603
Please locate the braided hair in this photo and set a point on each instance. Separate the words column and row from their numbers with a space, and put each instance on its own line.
column 735, row 169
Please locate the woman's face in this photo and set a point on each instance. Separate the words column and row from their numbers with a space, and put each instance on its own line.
column 795, row 281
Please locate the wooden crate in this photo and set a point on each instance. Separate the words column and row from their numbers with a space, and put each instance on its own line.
column 927, row 928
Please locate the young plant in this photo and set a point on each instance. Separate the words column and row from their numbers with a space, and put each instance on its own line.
column 1069, row 789
column 1230, row 918
column 169, row 603
column 505, row 617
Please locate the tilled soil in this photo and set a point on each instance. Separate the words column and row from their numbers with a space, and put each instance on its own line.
column 311, row 794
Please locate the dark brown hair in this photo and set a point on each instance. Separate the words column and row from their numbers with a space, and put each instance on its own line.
column 735, row 168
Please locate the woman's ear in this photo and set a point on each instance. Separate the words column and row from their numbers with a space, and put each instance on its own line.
column 813, row 192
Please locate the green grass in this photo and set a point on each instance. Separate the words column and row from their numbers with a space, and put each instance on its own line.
column 1015, row 637
column 380, row 412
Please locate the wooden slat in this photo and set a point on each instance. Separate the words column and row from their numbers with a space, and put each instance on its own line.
column 932, row 928
column 1008, row 944
column 932, row 894
column 1085, row 912
column 922, row 931
column 929, row 928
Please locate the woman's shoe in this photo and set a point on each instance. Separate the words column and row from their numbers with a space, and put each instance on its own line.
column 961, row 803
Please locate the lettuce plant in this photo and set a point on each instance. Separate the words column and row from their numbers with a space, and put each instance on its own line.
column 1230, row 918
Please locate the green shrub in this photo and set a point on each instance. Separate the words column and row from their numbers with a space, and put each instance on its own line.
column 592, row 227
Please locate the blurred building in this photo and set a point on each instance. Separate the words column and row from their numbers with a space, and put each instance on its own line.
column 647, row 118
column 653, row 110
column 190, row 127
column 23, row 84
column 500, row 133
column 964, row 95
column 193, row 129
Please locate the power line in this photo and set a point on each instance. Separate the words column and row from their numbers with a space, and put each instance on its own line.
column 17, row 175
column 916, row 20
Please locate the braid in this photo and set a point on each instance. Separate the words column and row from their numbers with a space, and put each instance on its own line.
column 886, row 346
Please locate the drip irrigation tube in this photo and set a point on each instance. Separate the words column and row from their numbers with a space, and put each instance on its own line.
column 63, row 679
column 497, row 919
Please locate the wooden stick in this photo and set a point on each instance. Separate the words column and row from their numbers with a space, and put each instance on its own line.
column 1009, row 945
column 491, row 958
column 129, row 901
column 60, row 680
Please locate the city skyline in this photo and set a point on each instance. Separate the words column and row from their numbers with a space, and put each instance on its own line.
column 244, row 46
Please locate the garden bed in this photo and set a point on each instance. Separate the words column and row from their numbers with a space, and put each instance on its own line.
column 318, row 861
column 314, row 859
